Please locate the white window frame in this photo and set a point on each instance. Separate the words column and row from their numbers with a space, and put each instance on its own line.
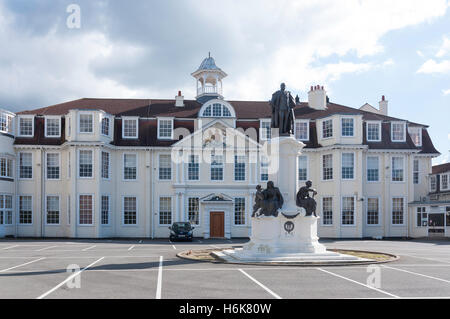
column 159, row 210
column 342, row 126
column 332, row 211
column 211, row 167
column 109, row 210
column 123, row 211
column 322, row 167
column 418, row 171
column 307, row 129
column 79, row 121
column 307, row 168
column 392, row 211
column 260, row 170
column 52, row 117
column 9, row 162
column 171, row 119
column 321, row 129
column 109, row 125
column 433, row 189
column 171, row 168
column 137, row 169
column 30, row 117
column 419, row 130
column 245, row 168
column 263, row 136
column 392, row 169
column 404, row 131
column 92, row 163
column 378, row 123
column 448, row 182
column 18, row 209
column 367, row 168
column 354, row 211
column 18, row 167
column 187, row 211
column 46, row 209
column 9, row 117
column 342, row 166
column 93, row 210
column 187, row 167
column 136, row 122
column 109, row 165
column 8, row 210
column 379, row 211
column 245, row 211
column 59, row 166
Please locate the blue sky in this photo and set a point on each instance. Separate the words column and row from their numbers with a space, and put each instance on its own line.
column 359, row 50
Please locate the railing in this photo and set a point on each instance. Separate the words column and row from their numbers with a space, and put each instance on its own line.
column 209, row 89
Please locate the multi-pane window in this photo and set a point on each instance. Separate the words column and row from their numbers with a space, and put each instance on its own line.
column 348, row 164
column 217, row 110
column 193, row 168
column 302, row 168
column 105, row 165
column 327, row 162
column 302, row 130
column 207, row 111
column 444, row 182
column 6, row 167
column 26, row 165
column 129, row 210
column 26, row 126
column 105, row 126
column 447, row 216
column 372, row 168
column 397, row 211
column 6, row 121
column 264, row 169
column 347, row 125
column 397, row 169
column 216, row 167
column 130, row 128
column 25, row 210
column 165, row 167
column 52, row 127
column 327, row 128
column 6, row 213
column 398, row 132
column 193, row 210
column 373, row 132
column 422, row 217
column 348, row 210
column 105, row 208
column 225, row 111
column 266, row 130
column 52, row 210
column 85, row 210
column 53, row 169
column 130, row 166
column 86, row 124
column 239, row 211
column 327, row 210
column 433, row 183
column 416, row 135
column 373, row 211
column 86, row 167
column 165, row 210
column 239, row 168
column 165, row 128
column 416, row 171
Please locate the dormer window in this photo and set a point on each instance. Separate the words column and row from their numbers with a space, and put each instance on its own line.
column 217, row 110
column 373, row 131
column 302, row 130
column 105, row 126
column 416, row 135
column 6, row 123
column 165, row 128
column 26, row 126
column 398, row 132
column 53, row 126
column 130, row 127
column 86, row 122
column 347, row 125
column 327, row 128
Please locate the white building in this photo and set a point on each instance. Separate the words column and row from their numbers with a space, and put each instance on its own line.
column 94, row 168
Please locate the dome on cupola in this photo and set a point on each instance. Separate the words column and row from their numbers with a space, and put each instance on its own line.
column 209, row 80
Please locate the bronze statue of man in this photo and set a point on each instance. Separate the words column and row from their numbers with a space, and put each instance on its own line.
column 268, row 201
column 282, row 104
column 305, row 201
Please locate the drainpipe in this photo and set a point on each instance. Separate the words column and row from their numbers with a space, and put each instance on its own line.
column 15, row 201
column 152, row 208
column 42, row 193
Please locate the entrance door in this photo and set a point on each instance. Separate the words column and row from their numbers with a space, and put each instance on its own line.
column 436, row 226
column 217, row 225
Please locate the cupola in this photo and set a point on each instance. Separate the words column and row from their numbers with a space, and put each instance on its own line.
column 209, row 80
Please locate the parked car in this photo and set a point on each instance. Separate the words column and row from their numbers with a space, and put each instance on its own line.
column 181, row 230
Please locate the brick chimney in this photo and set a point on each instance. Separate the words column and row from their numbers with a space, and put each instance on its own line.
column 383, row 106
column 179, row 100
column 317, row 98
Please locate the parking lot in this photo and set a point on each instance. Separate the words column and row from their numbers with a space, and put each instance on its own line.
column 151, row 269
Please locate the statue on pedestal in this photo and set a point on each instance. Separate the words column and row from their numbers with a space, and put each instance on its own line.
column 268, row 201
column 305, row 201
column 282, row 104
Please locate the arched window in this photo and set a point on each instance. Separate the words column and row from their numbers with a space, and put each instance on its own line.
column 207, row 111
column 217, row 110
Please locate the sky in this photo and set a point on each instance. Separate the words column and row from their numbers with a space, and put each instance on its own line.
column 358, row 49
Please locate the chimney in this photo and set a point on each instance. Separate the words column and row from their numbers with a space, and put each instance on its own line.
column 317, row 98
column 179, row 100
column 383, row 106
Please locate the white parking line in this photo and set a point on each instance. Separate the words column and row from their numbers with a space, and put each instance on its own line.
column 159, row 286
column 174, row 247
column 131, row 247
column 427, row 258
column 417, row 274
column 89, row 248
column 68, row 279
column 45, row 248
column 357, row 282
column 214, row 246
column 261, row 285
column 24, row 264
column 6, row 248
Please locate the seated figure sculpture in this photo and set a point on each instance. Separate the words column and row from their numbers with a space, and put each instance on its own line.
column 305, row 201
column 268, row 201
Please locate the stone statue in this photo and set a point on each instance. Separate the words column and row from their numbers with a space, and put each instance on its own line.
column 268, row 201
column 305, row 201
column 282, row 104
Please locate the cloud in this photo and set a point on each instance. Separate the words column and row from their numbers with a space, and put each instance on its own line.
column 446, row 92
column 431, row 66
column 148, row 49
column 445, row 47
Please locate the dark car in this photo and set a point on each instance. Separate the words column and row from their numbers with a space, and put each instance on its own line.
column 181, row 230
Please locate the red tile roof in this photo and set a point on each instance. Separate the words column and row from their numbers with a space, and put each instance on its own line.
column 438, row 169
